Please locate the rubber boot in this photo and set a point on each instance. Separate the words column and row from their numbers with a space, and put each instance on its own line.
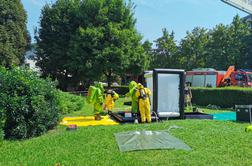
column 136, row 118
column 136, row 121
column 98, row 117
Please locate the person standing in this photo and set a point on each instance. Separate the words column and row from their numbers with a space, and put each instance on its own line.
column 188, row 95
column 143, row 95
column 134, row 99
column 96, row 98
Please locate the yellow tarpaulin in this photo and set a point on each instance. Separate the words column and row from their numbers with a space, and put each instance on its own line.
column 88, row 121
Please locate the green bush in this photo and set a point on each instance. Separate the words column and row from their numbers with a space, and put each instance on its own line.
column 223, row 97
column 69, row 103
column 29, row 103
column 1, row 135
column 1, row 127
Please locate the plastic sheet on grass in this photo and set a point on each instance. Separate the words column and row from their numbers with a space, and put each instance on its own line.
column 146, row 140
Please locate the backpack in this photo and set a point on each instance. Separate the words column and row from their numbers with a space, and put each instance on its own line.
column 91, row 95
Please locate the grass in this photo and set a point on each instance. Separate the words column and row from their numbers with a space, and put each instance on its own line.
column 212, row 143
column 209, row 110
column 212, row 111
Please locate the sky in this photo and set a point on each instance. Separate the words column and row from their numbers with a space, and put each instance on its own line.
column 154, row 15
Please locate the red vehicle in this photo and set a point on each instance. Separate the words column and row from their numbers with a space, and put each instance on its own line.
column 204, row 77
column 213, row 78
column 241, row 78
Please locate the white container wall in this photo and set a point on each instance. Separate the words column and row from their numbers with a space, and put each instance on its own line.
column 168, row 93
column 167, row 88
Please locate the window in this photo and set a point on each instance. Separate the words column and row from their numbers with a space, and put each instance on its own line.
column 240, row 77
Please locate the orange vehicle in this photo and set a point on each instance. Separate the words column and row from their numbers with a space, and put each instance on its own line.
column 213, row 78
column 226, row 80
column 241, row 78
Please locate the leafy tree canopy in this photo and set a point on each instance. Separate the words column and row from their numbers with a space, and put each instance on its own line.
column 14, row 37
column 192, row 50
column 83, row 40
column 164, row 54
column 218, row 48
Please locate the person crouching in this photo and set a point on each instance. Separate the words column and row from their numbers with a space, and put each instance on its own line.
column 111, row 97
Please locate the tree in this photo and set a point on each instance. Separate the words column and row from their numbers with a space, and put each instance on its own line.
column 14, row 37
column 227, row 45
column 58, row 24
column 218, row 47
column 83, row 40
column 164, row 55
column 240, row 31
column 192, row 49
column 147, row 45
column 248, row 52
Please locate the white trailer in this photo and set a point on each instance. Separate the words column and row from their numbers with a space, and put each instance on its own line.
column 167, row 87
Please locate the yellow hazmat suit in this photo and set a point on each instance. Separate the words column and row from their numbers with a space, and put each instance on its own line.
column 110, row 99
column 96, row 98
column 248, row 129
column 143, row 95
column 134, row 99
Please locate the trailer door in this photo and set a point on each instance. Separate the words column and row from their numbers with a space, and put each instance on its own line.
column 198, row 81
column 211, row 80
column 168, row 93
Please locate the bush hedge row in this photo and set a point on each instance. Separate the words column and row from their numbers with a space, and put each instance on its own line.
column 28, row 104
column 1, row 129
column 68, row 103
column 223, row 97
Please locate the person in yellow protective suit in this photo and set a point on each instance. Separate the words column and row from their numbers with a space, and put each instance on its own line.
column 96, row 97
column 248, row 129
column 110, row 99
column 134, row 99
column 132, row 94
column 143, row 95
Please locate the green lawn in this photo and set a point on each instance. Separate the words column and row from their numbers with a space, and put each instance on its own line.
column 209, row 111
column 212, row 143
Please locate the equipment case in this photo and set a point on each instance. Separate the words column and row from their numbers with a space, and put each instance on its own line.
column 243, row 113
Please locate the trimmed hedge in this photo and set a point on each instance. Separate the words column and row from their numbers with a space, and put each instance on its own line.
column 29, row 103
column 1, row 136
column 1, row 128
column 223, row 97
column 1, row 125
column 68, row 103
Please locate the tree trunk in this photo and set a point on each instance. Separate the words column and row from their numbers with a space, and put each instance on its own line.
column 109, row 79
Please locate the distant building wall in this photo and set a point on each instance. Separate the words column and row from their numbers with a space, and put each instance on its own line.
column 30, row 61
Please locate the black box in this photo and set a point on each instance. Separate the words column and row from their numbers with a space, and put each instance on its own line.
column 243, row 113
